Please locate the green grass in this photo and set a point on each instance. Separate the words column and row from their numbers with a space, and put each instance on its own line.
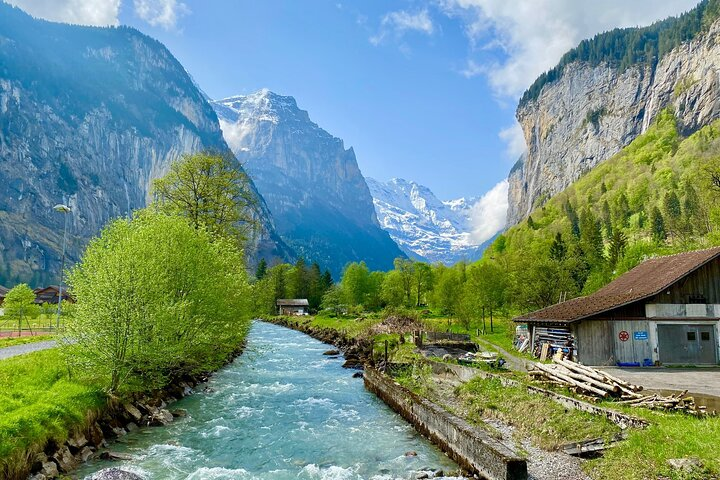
column 12, row 341
column 350, row 326
column 40, row 402
column 546, row 422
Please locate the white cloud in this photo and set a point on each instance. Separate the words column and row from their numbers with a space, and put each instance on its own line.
column 530, row 36
column 488, row 216
column 161, row 13
column 514, row 141
column 82, row 12
column 400, row 22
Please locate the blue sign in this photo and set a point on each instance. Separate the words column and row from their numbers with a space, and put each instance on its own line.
column 642, row 335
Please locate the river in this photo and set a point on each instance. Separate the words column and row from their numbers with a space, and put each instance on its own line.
column 280, row 411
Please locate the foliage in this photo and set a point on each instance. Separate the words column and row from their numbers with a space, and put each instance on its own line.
column 290, row 281
column 211, row 192
column 156, row 298
column 19, row 304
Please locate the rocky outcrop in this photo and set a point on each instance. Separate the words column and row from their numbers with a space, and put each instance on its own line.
column 592, row 111
column 312, row 184
column 88, row 117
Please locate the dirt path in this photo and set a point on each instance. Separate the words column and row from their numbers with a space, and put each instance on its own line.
column 16, row 350
column 514, row 363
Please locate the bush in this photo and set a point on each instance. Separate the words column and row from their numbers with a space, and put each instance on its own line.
column 156, row 299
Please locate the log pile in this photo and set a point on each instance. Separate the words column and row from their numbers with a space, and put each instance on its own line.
column 594, row 383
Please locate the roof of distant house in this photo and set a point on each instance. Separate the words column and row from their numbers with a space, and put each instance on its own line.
column 646, row 280
column 292, row 302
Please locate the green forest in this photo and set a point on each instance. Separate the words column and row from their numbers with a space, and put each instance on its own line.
column 624, row 47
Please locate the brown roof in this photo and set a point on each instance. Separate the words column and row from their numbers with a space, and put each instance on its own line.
column 646, row 280
column 292, row 302
column 3, row 291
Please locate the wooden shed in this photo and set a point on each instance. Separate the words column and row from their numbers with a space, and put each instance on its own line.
column 3, row 292
column 664, row 311
column 293, row 306
column 50, row 295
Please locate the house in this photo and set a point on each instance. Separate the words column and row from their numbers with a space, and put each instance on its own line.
column 3, row 292
column 50, row 295
column 664, row 311
column 293, row 306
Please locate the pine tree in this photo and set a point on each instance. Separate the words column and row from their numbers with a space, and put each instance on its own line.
column 573, row 217
column 616, row 250
column 658, row 225
column 531, row 223
column 558, row 249
column 261, row 270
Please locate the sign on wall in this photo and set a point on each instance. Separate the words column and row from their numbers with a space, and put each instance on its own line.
column 641, row 335
column 624, row 336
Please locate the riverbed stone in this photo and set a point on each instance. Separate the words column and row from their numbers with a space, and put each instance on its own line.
column 131, row 427
column 96, row 434
column 179, row 412
column 115, row 474
column 161, row 418
column 133, row 412
column 85, row 454
column 77, row 442
column 50, row 469
column 37, row 476
column 332, row 352
column 110, row 455
column 65, row 460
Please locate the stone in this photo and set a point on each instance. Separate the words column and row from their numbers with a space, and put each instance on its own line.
column 131, row 427
column 49, row 469
column 133, row 412
column 38, row 461
column 65, row 460
column 119, row 431
column 96, row 434
column 421, row 475
column 179, row 412
column 110, row 455
column 332, row 352
column 77, row 442
column 37, row 476
column 357, row 375
column 411, row 453
column 85, row 454
column 685, row 464
column 161, row 418
column 115, row 474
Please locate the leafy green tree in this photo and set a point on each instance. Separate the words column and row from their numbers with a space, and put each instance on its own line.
column 20, row 306
column 355, row 283
column 406, row 271
column 211, row 192
column 333, row 300
column 393, row 291
column 316, row 287
column 298, row 280
column 448, row 289
column 423, row 281
column 157, row 298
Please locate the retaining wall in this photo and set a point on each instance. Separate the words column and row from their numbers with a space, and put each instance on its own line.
column 473, row 449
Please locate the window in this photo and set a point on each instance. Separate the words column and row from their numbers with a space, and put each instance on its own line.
column 705, row 336
column 691, row 336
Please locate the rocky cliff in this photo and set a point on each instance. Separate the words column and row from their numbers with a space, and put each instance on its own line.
column 88, row 116
column 312, row 184
column 423, row 226
column 589, row 110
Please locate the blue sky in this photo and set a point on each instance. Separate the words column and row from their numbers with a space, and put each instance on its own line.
column 424, row 90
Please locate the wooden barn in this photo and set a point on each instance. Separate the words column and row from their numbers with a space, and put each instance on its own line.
column 293, row 306
column 664, row 311
column 50, row 295
column 3, row 292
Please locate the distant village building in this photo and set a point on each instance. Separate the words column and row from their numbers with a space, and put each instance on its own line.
column 3, row 292
column 50, row 295
column 664, row 311
column 293, row 306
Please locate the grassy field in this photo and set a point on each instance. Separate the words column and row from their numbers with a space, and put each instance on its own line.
column 12, row 341
column 39, row 402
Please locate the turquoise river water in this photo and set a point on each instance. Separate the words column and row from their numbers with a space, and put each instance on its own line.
column 281, row 411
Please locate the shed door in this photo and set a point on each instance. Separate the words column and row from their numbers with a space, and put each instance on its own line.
column 687, row 344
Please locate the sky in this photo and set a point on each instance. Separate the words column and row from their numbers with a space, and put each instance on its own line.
column 424, row 90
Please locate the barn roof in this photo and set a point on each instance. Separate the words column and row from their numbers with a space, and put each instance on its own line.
column 3, row 291
column 292, row 302
column 646, row 280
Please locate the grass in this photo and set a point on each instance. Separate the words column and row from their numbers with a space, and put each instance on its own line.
column 546, row 422
column 40, row 402
column 12, row 341
column 352, row 327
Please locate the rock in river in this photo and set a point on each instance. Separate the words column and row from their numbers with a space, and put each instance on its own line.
column 115, row 474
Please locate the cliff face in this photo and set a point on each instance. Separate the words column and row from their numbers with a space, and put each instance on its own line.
column 313, row 186
column 88, row 116
column 592, row 111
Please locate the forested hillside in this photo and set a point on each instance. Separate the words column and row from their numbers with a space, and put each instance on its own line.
column 659, row 195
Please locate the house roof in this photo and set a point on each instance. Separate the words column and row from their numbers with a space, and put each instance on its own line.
column 54, row 288
column 3, row 291
column 292, row 302
column 646, row 280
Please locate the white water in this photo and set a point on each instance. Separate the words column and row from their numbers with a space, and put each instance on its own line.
column 281, row 411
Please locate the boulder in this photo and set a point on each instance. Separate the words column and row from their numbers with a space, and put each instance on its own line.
column 49, row 469
column 132, row 411
column 85, row 454
column 65, row 460
column 685, row 464
column 131, row 427
column 77, row 442
column 179, row 412
column 96, row 434
column 332, row 352
column 37, row 476
column 161, row 418
column 115, row 474
column 110, row 455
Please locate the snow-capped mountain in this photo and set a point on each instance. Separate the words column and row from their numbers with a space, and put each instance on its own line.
column 424, row 226
column 312, row 184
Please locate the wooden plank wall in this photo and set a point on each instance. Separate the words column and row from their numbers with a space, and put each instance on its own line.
column 594, row 342
column 704, row 281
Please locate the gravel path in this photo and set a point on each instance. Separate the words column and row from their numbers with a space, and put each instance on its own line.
column 16, row 350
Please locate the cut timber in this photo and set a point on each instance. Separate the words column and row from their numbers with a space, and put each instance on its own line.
column 571, row 381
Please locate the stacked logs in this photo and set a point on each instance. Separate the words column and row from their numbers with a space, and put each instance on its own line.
column 588, row 381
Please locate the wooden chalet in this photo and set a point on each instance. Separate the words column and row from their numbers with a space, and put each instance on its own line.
column 50, row 295
column 664, row 311
column 3, row 292
column 293, row 306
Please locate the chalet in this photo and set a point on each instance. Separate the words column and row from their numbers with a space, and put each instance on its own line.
column 50, row 295
column 664, row 311
column 3, row 292
column 293, row 306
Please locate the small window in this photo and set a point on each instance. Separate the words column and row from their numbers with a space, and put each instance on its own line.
column 691, row 336
column 705, row 336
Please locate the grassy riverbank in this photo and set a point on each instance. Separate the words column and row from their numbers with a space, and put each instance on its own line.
column 41, row 402
column 643, row 455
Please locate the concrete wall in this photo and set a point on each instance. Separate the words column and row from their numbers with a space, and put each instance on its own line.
column 471, row 448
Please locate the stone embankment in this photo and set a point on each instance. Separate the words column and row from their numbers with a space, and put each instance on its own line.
column 473, row 449
column 117, row 419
